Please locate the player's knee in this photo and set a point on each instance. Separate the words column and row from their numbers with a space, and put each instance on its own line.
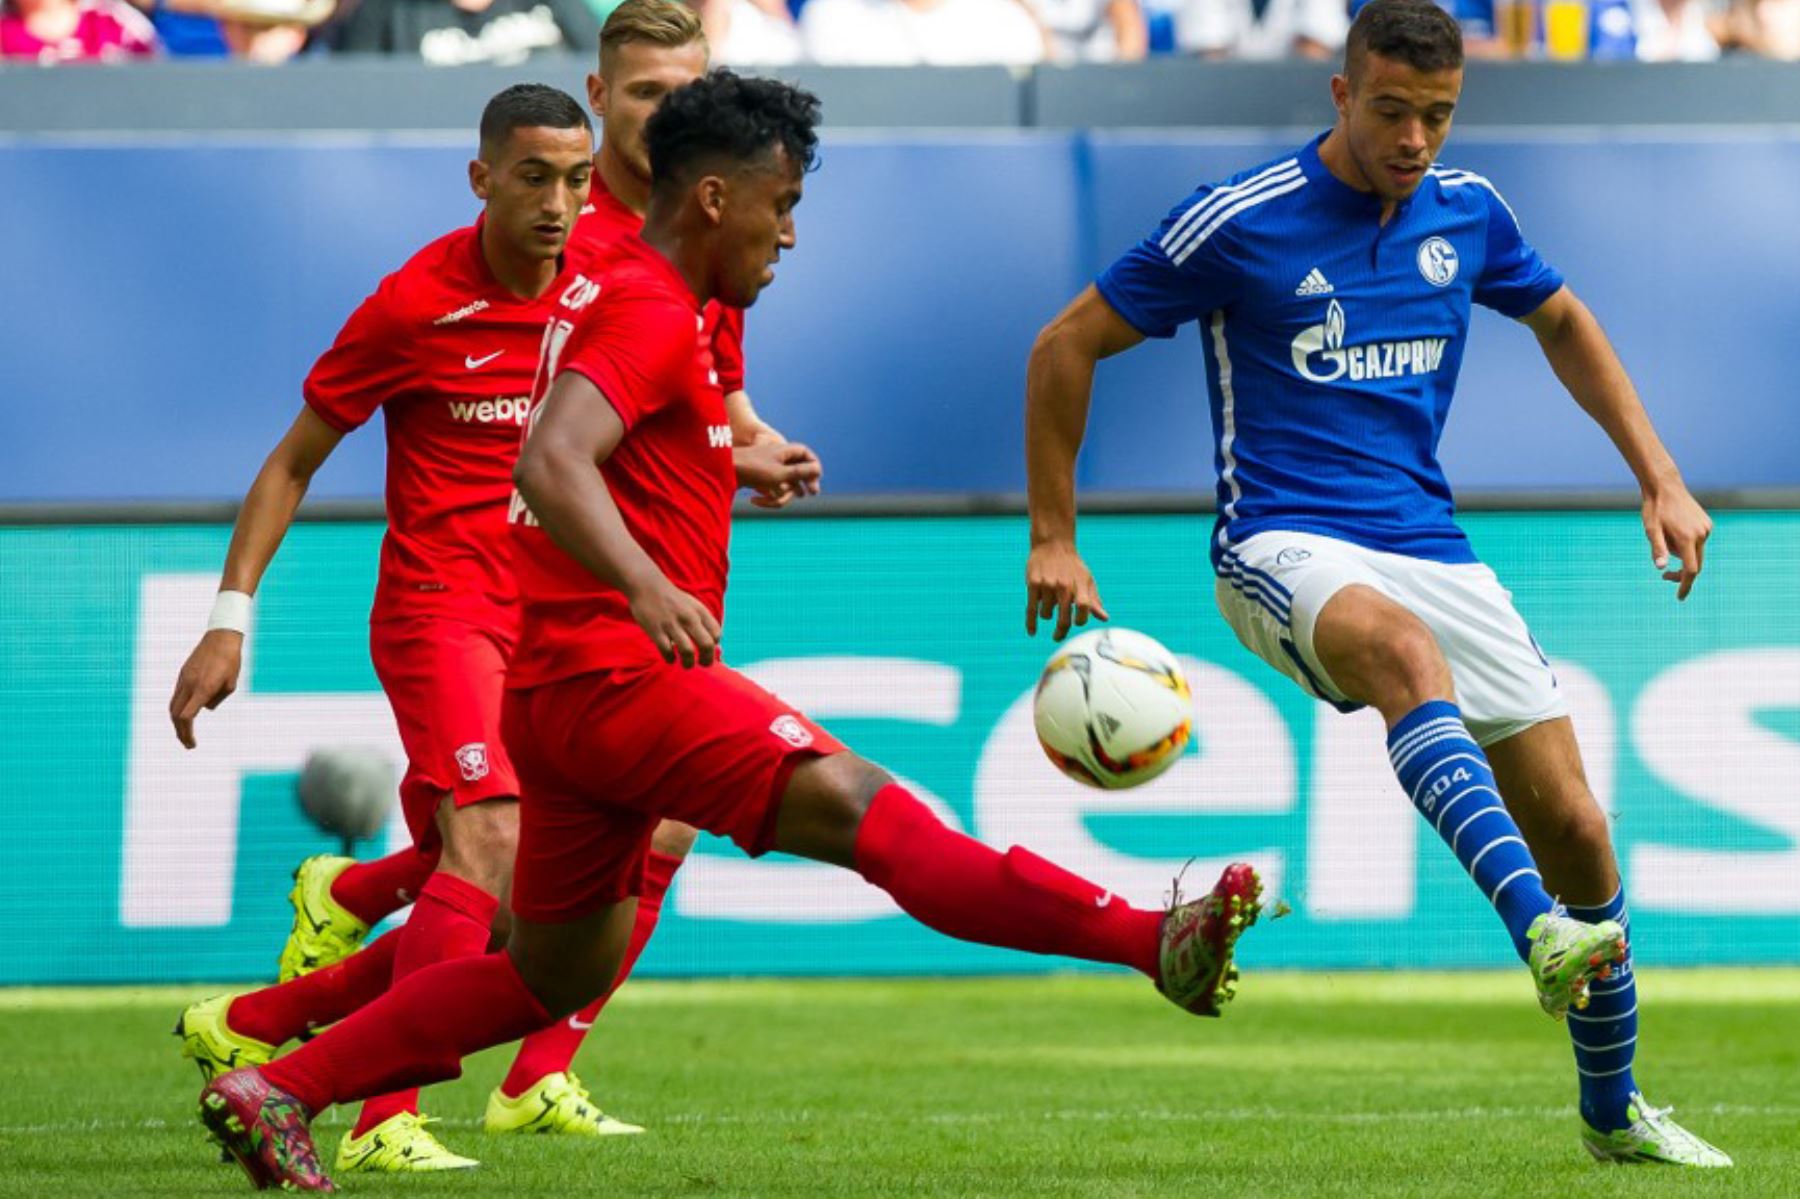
column 1407, row 660
column 480, row 842
column 1583, row 834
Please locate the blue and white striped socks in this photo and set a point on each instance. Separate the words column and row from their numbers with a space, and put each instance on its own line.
column 1605, row 1035
column 1451, row 784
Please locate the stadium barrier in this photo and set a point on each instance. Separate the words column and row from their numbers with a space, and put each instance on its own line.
column 139, row 861
column 896, row 338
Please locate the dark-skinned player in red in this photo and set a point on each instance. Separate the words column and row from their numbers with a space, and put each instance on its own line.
column 619, row 712
column 648, row 48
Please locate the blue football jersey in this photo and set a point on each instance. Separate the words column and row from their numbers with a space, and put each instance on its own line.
column 1332, row 342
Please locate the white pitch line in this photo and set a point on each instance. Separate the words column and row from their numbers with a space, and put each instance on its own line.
column 1061, row 1115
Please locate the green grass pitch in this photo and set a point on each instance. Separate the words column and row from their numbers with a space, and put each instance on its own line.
column 1352, row 1085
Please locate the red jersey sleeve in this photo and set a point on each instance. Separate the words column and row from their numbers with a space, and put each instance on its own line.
column 365, row 366
column 728, row 350
column 637, row 349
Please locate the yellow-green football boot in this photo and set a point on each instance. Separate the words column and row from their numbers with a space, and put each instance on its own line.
column 325, row 932
column 554, row 1104
column 398, row 1145
column 209, row 1041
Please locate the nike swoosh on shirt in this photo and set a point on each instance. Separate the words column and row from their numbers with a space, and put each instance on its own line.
column 580, row 1025
column 472, row 363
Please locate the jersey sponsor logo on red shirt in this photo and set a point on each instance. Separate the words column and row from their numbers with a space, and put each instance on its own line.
column 450, row 318
column 718, row 436
column 502, row 411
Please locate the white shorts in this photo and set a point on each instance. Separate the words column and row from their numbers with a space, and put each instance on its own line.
column 1273, row 586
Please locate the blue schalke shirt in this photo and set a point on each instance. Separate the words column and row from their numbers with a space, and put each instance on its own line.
column 1332, row 342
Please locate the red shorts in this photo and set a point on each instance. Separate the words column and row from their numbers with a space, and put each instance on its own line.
column 606, row 756
column 445, row 679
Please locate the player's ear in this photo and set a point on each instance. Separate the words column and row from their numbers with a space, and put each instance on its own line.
column 1340, row 94
column 596, row 88
column 710, row 191
column 478, row 179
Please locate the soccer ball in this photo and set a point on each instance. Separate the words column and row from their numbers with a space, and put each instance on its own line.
column 1112, row 709
column 347, row 790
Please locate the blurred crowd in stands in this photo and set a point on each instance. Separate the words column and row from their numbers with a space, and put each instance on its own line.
column 774, row 33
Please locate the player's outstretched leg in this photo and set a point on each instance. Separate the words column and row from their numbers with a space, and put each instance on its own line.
column 337, row 900
column 846, row 811
column 541, row 1093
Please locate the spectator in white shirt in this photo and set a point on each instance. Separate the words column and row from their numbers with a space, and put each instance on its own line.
column 751, row 32
column 1262, row 28
column 1674, row 31
column 937, row 33
column 1094, row 30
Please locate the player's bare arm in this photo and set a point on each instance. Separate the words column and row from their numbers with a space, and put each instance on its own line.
column 575, row 430
column 1059, row 383
column 210, row 673
column 1583, row 358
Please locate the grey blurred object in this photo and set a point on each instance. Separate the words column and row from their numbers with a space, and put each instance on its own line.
column 348, row 791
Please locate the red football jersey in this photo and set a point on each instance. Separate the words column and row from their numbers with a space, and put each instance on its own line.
column 448, row 355
column 638, row 339
column 603, row 223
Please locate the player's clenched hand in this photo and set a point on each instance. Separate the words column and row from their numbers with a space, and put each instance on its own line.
column 207, row 677
column 778, row 472
column 680, row 626
column 1058, row 583
column 1677, row 525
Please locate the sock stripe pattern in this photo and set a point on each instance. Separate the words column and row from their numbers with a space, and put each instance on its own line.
column 1445, row 774
column 1605, row 1035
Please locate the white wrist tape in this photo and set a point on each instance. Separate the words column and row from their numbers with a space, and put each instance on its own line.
column 230, row 610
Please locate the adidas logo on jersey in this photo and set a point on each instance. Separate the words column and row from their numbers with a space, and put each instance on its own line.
column 1315, row 284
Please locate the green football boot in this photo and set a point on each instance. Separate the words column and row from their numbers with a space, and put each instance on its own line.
column 557, row 1103
column 1567, row 955
column 207, row 1038
column 325, row 932
column 398, row 1145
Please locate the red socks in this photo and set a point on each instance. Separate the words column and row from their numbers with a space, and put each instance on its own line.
column 417, row 1033
column 373, row 891
column 550, row 1050
column 451, row 919
column 967, row 890
column 280, row 1013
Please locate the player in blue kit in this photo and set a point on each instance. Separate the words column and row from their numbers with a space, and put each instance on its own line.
column 1333, row 290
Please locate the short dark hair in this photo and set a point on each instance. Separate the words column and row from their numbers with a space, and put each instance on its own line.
column 528, row 106
column 730, row 117
column 1415, row 32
